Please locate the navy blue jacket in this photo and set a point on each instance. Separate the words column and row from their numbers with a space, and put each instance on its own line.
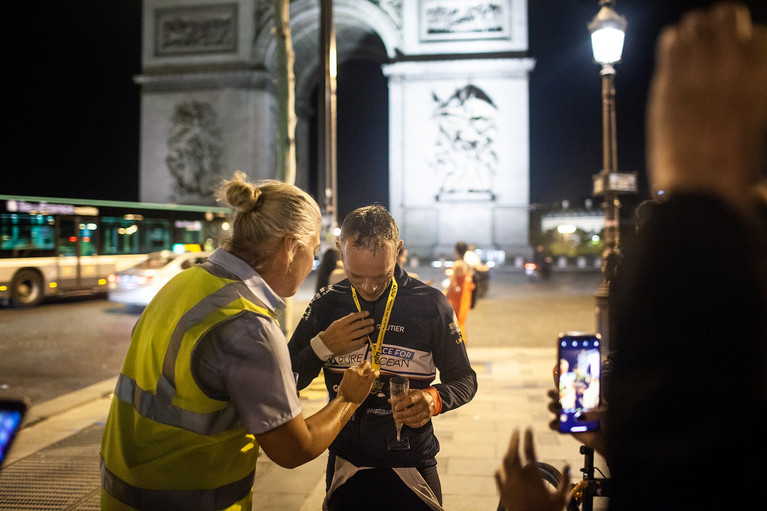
column 422, row 337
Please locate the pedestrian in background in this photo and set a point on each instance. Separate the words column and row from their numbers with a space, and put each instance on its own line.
column 459, row 290
column 328, row 264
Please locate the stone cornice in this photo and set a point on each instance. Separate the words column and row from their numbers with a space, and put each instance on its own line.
column 240, row 79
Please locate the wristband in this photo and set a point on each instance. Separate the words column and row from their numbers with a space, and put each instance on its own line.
column 437, row 400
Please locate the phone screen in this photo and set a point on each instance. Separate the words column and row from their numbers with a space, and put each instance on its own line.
column 11, row 414
column 579, row 365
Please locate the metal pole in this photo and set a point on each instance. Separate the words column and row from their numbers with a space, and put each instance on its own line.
column 328, row 109
column 611, row 204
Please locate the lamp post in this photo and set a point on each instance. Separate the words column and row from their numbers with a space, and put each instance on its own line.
column 607, row 34
column 328, row 60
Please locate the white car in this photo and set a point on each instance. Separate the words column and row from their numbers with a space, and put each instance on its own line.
column 137, row 285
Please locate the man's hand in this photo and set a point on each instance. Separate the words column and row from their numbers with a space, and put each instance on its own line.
column 707, row 113
column 348, row 334
column 416, row 409
column 522, row 487
column 357, row 382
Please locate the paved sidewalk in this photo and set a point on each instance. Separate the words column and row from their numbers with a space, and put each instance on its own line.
column 512, row 394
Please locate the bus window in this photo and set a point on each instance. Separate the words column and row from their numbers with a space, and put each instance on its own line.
column 120, row 236
column 88, row 238
column 188, row 232
column 67, row 238
column 23, row 235
column 155, row 234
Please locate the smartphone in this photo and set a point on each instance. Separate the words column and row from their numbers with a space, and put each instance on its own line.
column 11, row 414
column 579, row 359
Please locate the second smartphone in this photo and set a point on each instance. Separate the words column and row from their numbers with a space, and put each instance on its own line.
column 579, row 362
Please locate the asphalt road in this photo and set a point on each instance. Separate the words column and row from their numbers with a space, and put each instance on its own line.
column 67, row 344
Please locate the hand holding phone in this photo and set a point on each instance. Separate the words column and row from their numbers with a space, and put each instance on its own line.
column 579, row 360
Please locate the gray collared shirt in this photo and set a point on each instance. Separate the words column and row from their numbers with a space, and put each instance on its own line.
column 246, row 358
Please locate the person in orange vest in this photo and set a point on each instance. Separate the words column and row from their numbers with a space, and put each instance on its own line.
column 461, row 285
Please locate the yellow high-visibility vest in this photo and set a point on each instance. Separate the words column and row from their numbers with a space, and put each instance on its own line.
column 166, row 444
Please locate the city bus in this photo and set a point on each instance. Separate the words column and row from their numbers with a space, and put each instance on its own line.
column 54, row 246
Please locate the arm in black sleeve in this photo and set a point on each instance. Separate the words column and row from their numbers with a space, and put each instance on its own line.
column 458, row 380
column 305, row 362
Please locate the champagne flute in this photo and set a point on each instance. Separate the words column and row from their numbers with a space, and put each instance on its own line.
column 398, row 389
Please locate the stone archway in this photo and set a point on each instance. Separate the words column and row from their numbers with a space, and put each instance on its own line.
column 364, row 32
column 457, row 76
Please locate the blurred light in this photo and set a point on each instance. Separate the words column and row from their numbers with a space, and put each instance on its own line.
column 436, row 264
column 595, row 238
column 178, row 248
column 112, row 278
column 73, row 239
column 566, row 229
column 3, row 288
column 337, row 231
column 102, row 282
column 86, row 239
column 608, row 30
column 92, row 227
column 607, row 44
column 225, row 226
column 491, row 264
column 143, row 280
column 52, row 285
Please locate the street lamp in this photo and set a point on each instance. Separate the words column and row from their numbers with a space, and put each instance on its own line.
column 607, row 30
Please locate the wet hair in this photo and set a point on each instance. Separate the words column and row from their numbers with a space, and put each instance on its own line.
column 369, row 228
column 461, row 248
column 264, row 213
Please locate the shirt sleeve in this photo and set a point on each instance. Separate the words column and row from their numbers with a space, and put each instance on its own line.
column 246, row 360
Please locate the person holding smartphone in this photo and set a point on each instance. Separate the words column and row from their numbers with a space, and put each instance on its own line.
column 689, row 389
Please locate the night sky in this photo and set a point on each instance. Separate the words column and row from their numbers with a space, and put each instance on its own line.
column 71, row 109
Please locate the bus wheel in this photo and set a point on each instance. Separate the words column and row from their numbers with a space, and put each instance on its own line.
column 27, row 288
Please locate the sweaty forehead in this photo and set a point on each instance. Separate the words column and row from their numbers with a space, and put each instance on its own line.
column 368, row 263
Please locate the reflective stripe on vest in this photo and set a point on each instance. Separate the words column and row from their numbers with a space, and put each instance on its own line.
column 159, row 407
column 188, row 500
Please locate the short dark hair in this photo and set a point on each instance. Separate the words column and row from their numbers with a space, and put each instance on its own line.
column 369, row 228
column 461, row 248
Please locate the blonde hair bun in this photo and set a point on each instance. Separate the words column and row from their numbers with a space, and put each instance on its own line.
column 239, row 193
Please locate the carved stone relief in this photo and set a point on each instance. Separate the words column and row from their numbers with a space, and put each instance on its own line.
column 391, row 7
column 465, row 159
column 464, row 19
column 194, row 151
column 200, row 29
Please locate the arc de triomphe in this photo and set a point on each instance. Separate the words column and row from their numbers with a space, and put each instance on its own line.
column 458, row 77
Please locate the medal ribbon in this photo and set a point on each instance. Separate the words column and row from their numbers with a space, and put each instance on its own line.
column 375, row 349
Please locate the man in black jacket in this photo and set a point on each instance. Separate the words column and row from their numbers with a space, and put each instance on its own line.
column 415, row 334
